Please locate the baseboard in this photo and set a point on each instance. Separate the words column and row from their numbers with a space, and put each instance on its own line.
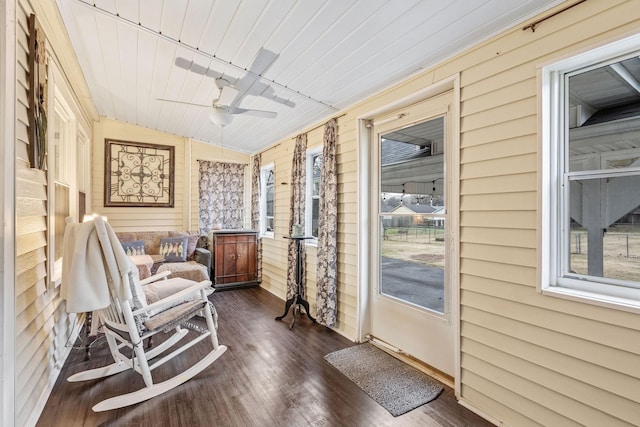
column 480, row 413
column 412, row 361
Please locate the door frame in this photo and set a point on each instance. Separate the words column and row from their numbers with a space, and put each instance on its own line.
column 365, row 143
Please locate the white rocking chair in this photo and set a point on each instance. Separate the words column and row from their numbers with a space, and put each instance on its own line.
column 127, row 321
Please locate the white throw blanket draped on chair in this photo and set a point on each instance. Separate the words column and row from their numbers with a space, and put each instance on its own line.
column 84, row 279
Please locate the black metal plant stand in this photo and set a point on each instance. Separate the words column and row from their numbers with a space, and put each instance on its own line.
column 296, row 301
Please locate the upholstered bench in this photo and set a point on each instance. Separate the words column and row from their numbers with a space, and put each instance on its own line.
column 181, row 253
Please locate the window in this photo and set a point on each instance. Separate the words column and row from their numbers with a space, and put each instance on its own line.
column 82, row 170
column 312, row 196
column 267, row 200
column 591, row 156
column 61, row 138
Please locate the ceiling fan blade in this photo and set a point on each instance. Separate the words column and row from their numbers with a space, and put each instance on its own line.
column 255, row 113
column 183, row 63
column 227, row 95
column 195, row 68
column 250, row 84
column 264, row 59
column 190, row 66
column 270, row 93
column 183, row 102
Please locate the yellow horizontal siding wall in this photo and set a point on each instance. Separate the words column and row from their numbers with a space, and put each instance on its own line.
column 34, row 322
column 347, row 238
column 23, row 11
column 34, row 308
column 274, row 250
column 529, row 359
column 42, row 326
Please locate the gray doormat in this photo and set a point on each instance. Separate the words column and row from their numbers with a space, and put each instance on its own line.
column 396, row 386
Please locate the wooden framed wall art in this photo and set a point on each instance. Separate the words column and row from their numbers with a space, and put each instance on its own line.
column 138, row 174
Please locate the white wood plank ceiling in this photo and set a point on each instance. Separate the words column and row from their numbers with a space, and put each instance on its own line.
column 304, row 60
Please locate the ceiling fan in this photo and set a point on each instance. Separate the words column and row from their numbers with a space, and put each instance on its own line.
column 222, row 107
column 225, row 105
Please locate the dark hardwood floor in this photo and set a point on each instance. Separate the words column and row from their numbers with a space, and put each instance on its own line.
column 269, row 376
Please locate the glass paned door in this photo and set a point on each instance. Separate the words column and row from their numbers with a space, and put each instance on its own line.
column 412, row 215
column 412, row 278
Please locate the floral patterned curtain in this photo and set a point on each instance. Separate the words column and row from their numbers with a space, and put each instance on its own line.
column 296, row 213
column 327, row 294
column 255, row 207
column 221, row 195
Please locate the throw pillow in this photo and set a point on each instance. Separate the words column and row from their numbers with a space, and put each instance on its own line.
column 191, row 245
column 174, row 249
column 135, row 247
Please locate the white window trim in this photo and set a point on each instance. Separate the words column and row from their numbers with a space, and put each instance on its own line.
column 263, row 200
column 83, row 159
column 59, row 104
column 308, row 202
column 65, row 115
column 552, row 131
column 63, row 110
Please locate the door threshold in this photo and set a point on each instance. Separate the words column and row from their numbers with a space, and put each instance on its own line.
column 401, row 355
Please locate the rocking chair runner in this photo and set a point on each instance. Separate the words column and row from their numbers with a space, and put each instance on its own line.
column 126, row 317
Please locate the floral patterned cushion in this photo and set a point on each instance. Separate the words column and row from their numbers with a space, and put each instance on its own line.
column 187, row 270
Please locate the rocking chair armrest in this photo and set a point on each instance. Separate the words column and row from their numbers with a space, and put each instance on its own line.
column 178, row 296
column 155, row 278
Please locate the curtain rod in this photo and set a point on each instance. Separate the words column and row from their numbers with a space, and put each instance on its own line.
column 533, row 25
column 319, row 126
column 223, row 161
